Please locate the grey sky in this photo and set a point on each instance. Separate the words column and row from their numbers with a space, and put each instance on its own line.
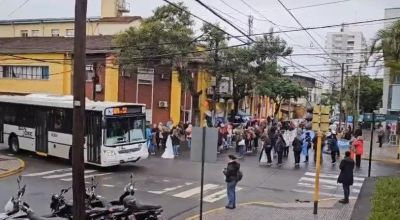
column 351, row 11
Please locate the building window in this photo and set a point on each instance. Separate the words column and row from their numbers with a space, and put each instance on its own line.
column 35, row 33
column 24, row 72
column 350, row 43
column 69, row 32
column 349, row 61
column 24, row 33
column 89, row 72
column 55, row 32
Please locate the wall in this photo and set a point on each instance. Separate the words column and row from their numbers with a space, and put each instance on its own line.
column 59, row 82
column 92, row 28
column 111, row 79
column 101, row 72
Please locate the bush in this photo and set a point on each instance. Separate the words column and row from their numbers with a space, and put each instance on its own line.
column 386, row 199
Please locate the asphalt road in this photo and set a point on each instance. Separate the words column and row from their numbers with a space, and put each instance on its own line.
column 175, row 184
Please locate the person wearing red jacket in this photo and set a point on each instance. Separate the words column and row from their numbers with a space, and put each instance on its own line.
column 357, row 149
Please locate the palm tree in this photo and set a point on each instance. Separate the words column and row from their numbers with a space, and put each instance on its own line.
column 387, row 46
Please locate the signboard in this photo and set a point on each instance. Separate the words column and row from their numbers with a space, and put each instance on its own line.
column 320, row 118
column 378, row 117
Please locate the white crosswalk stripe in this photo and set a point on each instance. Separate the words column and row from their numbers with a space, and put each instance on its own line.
column 64, row 174
column 47, row 172
column 328, row 185
column 195, row 191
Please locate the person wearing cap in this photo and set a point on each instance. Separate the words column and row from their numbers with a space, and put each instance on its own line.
column 231, row 173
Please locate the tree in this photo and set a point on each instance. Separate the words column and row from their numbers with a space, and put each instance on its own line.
column 387, row 45
column 370, row 94
column 164, row 38
column 280, row 90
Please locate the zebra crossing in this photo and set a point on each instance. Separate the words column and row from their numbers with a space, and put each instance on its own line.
column 212, row 192
column 328, row 185
column 64, row 174
column 177, row 188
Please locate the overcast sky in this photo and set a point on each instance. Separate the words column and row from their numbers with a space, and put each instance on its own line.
column 349, row 11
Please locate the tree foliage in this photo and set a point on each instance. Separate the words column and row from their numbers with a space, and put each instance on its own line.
column 370, row 94
column 280, row 89
column 387, row 41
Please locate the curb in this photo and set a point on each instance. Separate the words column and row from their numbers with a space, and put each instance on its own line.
column 14, row 171
column 259, row 203
column 387, row 161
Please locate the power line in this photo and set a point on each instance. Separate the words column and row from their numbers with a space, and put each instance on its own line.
column 299, row 23
column 224, row 19
column 201, row 19
column 316, row 5
column 19, row 7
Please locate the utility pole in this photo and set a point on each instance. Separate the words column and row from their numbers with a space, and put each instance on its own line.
column 358, row 93
column 78, row 182
column 95, row 80
column 217, row 80
column 341, row 97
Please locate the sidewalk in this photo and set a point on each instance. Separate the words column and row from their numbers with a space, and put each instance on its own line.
column 386, row 154
column 328, row 210
column 10, row 165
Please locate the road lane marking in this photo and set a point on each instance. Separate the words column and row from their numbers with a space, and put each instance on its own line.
column 324, row 193
column 331, row 182
column 88, row 176
column 360, row 179
column 195, row 191
column 65, row 174
column 170, row 189
column 218, row 195
column 309, row 185
column 48, row 172
column 108, row 185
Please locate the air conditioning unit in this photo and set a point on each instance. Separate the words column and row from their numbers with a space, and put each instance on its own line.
column 165, row 76
column 210, row 91
column 163, row 104
column 98, row 88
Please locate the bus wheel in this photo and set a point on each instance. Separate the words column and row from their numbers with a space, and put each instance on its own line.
column 13, row 144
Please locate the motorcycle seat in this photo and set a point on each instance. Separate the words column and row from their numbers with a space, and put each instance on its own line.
column 141, row 207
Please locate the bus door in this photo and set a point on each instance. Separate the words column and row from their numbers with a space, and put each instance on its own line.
column 93, row 132
column 41, row 131
column 1, row 125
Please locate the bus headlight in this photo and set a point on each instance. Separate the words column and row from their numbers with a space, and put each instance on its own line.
column 109, row 152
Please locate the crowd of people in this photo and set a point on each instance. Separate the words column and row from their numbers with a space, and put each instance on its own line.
column 158, row 134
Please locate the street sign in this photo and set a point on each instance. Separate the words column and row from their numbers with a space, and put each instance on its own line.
column 367, row 117
column 380, row 117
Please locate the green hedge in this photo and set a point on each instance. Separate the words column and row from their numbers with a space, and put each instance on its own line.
column 386, row 199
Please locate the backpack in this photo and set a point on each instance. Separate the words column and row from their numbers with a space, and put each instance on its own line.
column 239, row 176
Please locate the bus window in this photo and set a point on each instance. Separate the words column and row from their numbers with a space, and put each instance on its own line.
column 10, row 115
column 124, row 130
column 61, row 121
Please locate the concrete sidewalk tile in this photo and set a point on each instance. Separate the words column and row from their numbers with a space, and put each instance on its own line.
column 303, row 211
column 387, row 154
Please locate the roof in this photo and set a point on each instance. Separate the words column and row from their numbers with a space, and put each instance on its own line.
column 122, row 19
column 24, row 45
column 60, row 101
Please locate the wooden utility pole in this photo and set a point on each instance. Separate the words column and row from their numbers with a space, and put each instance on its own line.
column 79, row 78
column 95, row 80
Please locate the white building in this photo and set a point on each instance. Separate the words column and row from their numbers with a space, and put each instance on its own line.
column 349, row 48
column 391, row 86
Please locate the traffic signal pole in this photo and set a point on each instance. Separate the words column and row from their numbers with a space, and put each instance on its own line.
column 78, row 182
column 318, row 165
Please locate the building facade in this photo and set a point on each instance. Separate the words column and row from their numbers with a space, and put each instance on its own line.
column 347, row 47
column 110, row 22
column 391, row 83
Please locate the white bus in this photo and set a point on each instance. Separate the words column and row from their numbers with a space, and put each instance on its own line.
column 114, row 132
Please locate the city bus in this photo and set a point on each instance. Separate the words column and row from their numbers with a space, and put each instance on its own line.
column 114, row 132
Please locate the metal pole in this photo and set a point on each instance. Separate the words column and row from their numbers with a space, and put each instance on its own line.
column 371, row 143
column 341, row 97
column 318, row 162
column 78, row 182
column 318, row 170
column 94, row 80
column 358, row 94
column 203, row 151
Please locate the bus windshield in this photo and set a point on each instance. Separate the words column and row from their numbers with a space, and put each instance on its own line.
column 124, row 130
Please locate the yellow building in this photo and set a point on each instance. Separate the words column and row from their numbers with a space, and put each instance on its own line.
column 110, row 22
column 44, row 65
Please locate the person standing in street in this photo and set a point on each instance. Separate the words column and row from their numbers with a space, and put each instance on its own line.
column 346, row 176
column 297, row 149
column 232, row 177
column 175, row 140
column 280, row 146
column 267, row 148
column 333, row 146
column 358, row 150
column 381, row 135
column 306, row 145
